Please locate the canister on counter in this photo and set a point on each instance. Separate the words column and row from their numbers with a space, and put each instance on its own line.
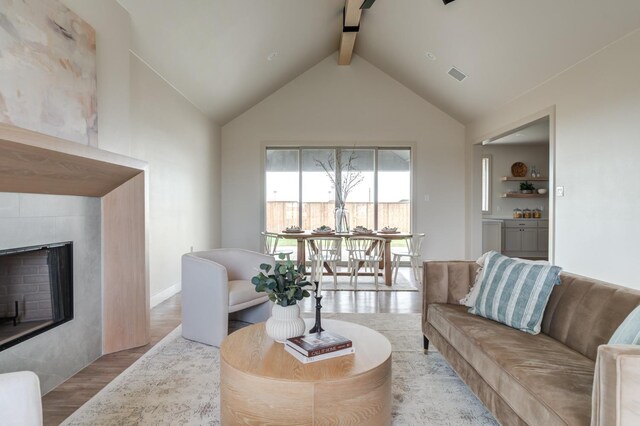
column 537, row 213
column 517, row 214
column 526, row 213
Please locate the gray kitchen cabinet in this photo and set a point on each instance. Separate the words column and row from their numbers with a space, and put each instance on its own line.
column 543, row 239
column 526, row 238
column 491, row 235
column 529, row 239
column 512, row 240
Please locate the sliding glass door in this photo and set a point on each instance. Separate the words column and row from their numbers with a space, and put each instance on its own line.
column 300, row 186
column 361, row 201
column 317, row 190
column 394, row 188
column 282, row 188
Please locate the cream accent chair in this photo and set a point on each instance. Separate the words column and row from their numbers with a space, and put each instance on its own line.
column 20, row 401
column 217, row 283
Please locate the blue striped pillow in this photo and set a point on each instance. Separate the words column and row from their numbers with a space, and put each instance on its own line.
column 629, row 331
column 515, row 292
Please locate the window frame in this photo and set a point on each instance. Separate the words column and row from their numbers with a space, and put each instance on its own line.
column 486, row 191
column 338, row 149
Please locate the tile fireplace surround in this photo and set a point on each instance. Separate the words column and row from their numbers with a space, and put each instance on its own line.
column 32, row 219
column 55, row 190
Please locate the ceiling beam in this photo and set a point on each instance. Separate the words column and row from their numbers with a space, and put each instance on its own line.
column 350, row 28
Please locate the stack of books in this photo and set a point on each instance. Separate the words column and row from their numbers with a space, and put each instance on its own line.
column 318, row 346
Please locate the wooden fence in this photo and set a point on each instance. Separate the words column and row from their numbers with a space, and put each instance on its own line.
column 281, row 214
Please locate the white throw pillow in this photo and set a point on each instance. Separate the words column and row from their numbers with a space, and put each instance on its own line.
column 481, row 259
column 470, row 299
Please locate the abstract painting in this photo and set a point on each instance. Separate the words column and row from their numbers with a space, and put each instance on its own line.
column 48, row 70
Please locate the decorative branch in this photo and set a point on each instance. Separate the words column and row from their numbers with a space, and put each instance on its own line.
column 350, row 176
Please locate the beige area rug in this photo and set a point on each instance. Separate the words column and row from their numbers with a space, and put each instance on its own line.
column 366, row 283
column 177, row 383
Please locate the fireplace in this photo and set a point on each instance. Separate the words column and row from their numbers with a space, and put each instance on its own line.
column 36, row 291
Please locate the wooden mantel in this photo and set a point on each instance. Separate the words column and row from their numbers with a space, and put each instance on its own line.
column 35, row 163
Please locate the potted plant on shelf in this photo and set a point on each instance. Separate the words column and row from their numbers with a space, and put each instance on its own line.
column 527, row 187
column 285, row 286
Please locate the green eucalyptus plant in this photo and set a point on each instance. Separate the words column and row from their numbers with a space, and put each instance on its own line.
column 285, row 286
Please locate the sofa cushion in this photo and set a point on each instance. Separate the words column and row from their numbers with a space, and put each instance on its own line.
column 542, row 380
column 241, row 292
column 583, row 313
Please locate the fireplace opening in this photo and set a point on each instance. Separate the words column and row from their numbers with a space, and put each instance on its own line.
column 36, row 291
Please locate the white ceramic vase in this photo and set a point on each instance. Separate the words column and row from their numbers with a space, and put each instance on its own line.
column 285, row 322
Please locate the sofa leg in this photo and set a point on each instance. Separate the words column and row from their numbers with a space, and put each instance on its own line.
column 425, row 343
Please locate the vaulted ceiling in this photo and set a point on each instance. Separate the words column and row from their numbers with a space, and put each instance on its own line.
column 227, row 55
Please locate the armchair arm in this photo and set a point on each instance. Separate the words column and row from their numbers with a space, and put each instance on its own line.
column 616, row 386
column 248, row 264
column 20, row 402
column 446, row 282
column 239, row 264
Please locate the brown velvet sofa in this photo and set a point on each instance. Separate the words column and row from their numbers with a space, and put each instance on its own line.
column 546, row 379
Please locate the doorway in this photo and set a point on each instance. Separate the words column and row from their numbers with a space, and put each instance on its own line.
column 517, row 169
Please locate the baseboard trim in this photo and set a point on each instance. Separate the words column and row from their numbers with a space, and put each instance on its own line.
column 156, row 299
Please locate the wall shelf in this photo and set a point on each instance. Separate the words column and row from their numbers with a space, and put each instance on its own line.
column 519, row 195
column 522, row 179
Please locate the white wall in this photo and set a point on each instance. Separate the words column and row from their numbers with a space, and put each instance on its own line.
column 182, row 147
column 347, row 105
column 597, row 140
column 140, row 115
column 502, row 157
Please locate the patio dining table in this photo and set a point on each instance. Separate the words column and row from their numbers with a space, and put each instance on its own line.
column 301, row 237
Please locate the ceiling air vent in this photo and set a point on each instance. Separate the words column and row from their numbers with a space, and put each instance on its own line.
column 457, row 74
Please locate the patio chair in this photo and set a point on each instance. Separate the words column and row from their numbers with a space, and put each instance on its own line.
column 413, row 252
column 364, row 252
column 270, row 245
column 324, row 250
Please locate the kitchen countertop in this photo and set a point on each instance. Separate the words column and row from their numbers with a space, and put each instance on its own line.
column 498, row 219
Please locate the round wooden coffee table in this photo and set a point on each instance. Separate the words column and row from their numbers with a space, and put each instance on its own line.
column 260, row 383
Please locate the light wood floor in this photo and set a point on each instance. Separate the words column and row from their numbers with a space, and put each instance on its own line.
column 61, row 402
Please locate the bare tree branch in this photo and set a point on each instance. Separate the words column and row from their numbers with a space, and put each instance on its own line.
column 350, row 175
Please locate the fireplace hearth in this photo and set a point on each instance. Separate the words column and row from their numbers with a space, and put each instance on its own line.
column 36, row 291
